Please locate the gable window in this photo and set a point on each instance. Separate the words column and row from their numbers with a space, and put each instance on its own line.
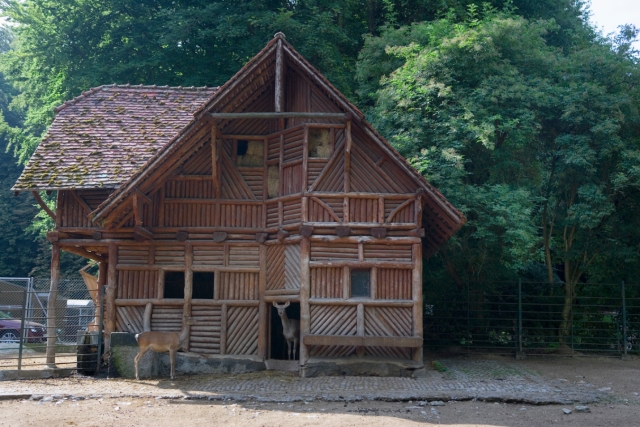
column 249, row 153
column 361, row 283
column 174, row 284
column 203, row 285
column 319, row 143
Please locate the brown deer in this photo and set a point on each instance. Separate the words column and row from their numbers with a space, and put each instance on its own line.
column 163, row 342
column 290, row 329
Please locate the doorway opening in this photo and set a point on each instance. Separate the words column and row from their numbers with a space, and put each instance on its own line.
column 278, row 343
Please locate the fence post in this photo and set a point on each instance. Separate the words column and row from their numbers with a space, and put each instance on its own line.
column 100, row 327
column 625, row 356
column 22, row 337
column 520, row 353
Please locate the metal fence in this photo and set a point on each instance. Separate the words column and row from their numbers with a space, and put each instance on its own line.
column 29, row 324
column 534, row 318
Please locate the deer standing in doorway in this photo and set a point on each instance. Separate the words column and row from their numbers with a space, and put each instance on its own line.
column 290, row 329
column 163, row 342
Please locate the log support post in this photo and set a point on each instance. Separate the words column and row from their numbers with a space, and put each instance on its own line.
column 417, row 299
column 223, row 329
column 188, row 288
column 263, row 309
column 279, row 89
column 360, row 327
column 305, row 290
column 110, row 297
column 102, row 280
column 51, row 306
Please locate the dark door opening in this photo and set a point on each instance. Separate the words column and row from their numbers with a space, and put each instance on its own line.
column 278, row 344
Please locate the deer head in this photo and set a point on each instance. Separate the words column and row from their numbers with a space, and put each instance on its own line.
column 281, row 308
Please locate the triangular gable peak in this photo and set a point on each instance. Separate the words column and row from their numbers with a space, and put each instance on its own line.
column 271, row 104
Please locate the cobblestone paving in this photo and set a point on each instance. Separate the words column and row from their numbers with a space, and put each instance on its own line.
column 463, row 380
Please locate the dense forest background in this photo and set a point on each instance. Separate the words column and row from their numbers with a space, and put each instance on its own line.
column 522, row 114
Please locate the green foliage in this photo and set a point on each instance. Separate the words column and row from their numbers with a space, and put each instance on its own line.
column 537, row 144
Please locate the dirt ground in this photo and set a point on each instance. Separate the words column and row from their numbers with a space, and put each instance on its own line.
column 619, row 379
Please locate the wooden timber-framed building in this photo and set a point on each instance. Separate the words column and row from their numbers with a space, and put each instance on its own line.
column 216, row 202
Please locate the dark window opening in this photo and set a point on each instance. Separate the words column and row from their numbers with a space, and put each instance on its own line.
column 249, row 153
column 174, row 284
column 203, row 285
column 361, row 283
column 243, row 146
column 278, row 345
column 319, row 143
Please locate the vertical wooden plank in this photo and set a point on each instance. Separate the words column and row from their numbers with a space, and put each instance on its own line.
column 110, row 297
column 279, row 89
column 305, row 288
column 280, row 212
column 346, row 217
column 333, row 140
column 305, row 159
column 360, row 327
column 160, row 284
column 217, row 282
column 263, row 310
column 417, row 298
column 214, row 161
column 265, row 176
column 280, row 169
column 188, row 288
column 304, row 209
column 347, row 159
column 346, row 283
column 51, row 305
column 374, row 283
column 226, row 254
column 223, row 329
column 59, row 210
column 360, row 252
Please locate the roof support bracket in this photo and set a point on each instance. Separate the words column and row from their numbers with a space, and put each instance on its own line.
column 43, row 205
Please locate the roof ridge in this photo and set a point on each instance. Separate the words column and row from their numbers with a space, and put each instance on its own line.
column 129, row 86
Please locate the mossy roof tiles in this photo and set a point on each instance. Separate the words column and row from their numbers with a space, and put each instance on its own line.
column 101, row 138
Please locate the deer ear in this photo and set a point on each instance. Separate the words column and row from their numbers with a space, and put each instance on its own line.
column 274, row 304
column 286, row 304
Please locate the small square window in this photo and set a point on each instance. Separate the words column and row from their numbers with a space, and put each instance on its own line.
column 174, row 284
column 319, row 143
column 249, row 153
column 203, row 285
column 361, row 283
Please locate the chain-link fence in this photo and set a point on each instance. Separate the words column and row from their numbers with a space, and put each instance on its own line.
column 534, row 319
column 36, row 333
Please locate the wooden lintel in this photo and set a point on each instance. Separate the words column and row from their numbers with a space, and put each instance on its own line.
column 83, row 253
column 143, row 233
column 43, row 205
column 412, row 342
column 287, row 115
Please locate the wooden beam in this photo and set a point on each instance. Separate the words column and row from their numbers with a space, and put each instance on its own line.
column 416, row 279
column 81, row 201
column 43, row 205
column 51, row 306
column 110, row 297
column 83, row 253
column 143, row 197
column 141, row 233
column 137, row 209
column 188, row 288
column 279, row 89
column 214, row 161
column 305, row 293
column 281, row 115
column 347, row 159
column 263, row 308
column 343, row 340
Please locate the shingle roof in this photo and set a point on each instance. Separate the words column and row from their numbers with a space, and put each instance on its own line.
column 102, row 137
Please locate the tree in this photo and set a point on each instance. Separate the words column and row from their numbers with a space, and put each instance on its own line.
column 538, row 144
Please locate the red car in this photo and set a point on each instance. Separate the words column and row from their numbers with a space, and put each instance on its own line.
column 10, row 330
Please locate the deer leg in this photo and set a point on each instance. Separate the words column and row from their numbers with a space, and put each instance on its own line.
column 172, row 359
column 295, row 344
column 289, row 349
column 137, row 359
